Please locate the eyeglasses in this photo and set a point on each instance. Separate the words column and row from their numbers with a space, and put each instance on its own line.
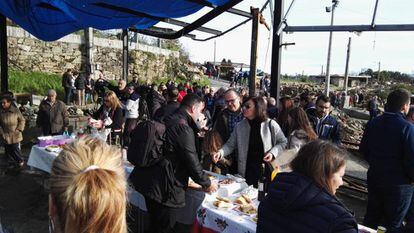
column 230, row 101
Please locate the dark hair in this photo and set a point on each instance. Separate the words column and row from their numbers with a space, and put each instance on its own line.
column 172, row 93
column 286, row 103
column 212, row 142
column 181, row 87
column 190, row 100
column 131, row 86
column 300, row 120
column 6, row 97
column 319, row 160
column 305, row 97
column 324, row 98
column 260, row 107
column 397, row 99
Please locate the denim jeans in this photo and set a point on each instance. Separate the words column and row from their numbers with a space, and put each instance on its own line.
column 68, row 95
column 388, row 206
column 88, row 98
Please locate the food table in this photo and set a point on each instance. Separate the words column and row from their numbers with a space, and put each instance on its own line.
column 199, row 209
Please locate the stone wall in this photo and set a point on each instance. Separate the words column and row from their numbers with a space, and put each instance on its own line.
column 30, row 54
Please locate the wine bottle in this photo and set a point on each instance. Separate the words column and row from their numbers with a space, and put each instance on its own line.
column 262, row 184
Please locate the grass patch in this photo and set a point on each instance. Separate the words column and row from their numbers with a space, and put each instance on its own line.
column 37, row 83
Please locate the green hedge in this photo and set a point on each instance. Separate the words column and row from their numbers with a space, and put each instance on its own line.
column 36, row 83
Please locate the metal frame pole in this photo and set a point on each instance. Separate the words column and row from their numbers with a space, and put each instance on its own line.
column 125, row 54
column 276, row 51
column 89, row 50
column 4, row 55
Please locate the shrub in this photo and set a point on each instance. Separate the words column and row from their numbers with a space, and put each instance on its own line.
column 36, row 83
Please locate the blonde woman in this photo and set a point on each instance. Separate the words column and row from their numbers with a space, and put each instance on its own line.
column 110, row 114
column 88, row 189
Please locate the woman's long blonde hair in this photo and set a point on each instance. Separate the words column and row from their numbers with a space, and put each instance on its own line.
column 113, row 100
column 89, row 201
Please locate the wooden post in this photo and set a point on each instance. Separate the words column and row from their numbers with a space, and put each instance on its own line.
column 276, row 51
column 253, row 53
column 125, row 54
column 348, row 54
column 3, row 50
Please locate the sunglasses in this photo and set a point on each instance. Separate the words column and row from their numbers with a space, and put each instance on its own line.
column 246, row 106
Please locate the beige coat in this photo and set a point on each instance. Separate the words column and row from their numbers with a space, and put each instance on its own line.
column 12, row 125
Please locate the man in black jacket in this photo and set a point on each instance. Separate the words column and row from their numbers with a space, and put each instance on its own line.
column 170, row 108
column 80, row 84
column 180, row 151
column 67, row 85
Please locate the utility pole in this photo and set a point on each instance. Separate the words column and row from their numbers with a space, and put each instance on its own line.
column 214, row 59
column 3, row 51
column 253, row 54
column 328, row 62
column 379, row 71
column 348, row 54
column 322, row 71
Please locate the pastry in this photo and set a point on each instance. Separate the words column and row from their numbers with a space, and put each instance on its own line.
column 222, row 204
column 223, row 199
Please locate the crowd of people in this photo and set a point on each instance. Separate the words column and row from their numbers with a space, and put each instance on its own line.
column 225, row 131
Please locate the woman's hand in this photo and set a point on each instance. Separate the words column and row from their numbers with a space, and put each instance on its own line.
column 216, row 157
column 268, row 157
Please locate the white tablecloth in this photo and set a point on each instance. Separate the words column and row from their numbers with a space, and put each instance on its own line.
column 198, row 204
column 223, row 220
column 42, row 159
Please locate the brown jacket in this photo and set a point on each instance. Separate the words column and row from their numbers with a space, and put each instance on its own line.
column 52, row 118
column 12, row 125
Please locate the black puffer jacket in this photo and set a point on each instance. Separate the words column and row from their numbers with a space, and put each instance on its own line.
column 181, row 163
column 296, row 204
column 166, row 111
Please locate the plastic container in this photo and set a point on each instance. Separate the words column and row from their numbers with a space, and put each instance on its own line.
column 61, row 140
column 45, row 141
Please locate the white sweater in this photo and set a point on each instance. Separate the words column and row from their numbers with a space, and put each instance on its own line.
column 131, row 108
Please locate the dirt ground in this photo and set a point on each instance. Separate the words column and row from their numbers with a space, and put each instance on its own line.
column 23, row 200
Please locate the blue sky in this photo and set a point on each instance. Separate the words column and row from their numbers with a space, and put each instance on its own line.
column 395, row 50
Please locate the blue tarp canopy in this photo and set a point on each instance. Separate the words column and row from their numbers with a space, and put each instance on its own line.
column 52, row 19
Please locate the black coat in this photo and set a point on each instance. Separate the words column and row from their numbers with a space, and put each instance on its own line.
column 295, row 203
column 166, row 111
column 181, row 153
column 116, row 115
column 80, row 82
column 155, row 102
